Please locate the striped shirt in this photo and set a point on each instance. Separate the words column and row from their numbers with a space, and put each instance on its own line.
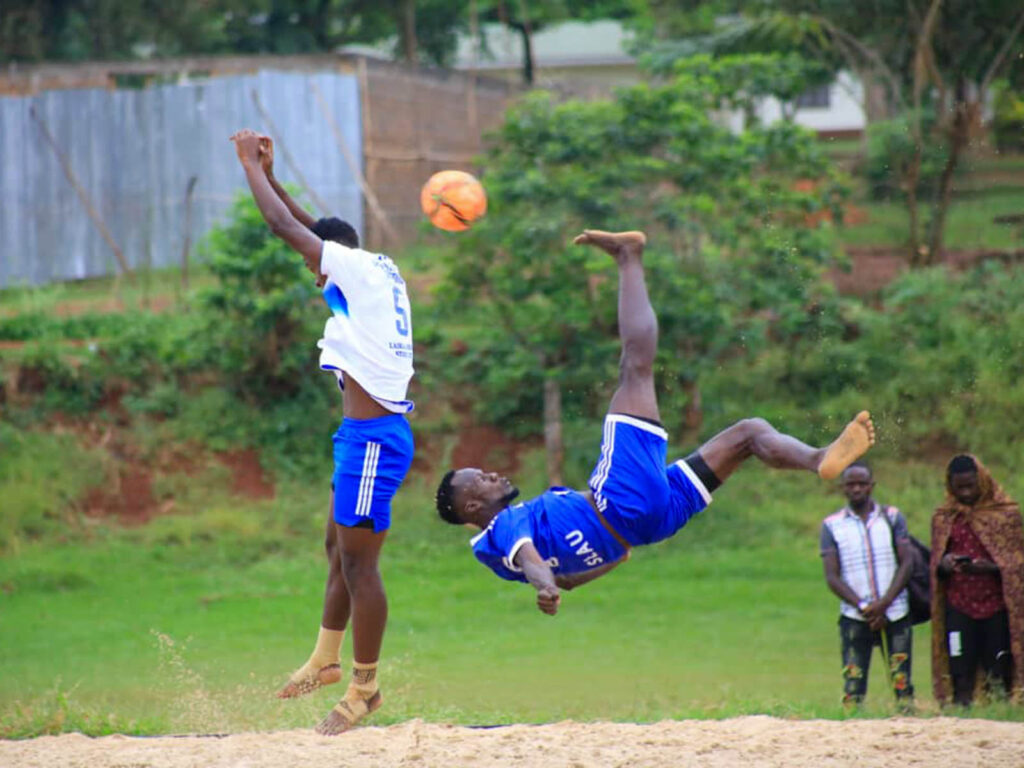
column 867, row 557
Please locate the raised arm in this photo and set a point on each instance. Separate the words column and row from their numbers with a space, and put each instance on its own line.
column 267, row 162
column 280, row 220
column 539, row 574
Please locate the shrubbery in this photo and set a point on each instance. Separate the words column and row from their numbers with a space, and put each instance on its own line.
column 1008, row 120
column 890, row 151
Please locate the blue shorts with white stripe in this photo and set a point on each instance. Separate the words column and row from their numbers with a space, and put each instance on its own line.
column 642, row 499
column 371, row 459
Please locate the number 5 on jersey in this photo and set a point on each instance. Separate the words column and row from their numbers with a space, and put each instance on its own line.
column 402, row 322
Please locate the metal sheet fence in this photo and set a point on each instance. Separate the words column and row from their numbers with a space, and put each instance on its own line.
column 133, row 152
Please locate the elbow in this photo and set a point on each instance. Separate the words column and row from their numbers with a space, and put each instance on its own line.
column 280, row 225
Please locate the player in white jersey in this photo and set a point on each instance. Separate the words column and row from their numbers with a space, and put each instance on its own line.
column 367, row 344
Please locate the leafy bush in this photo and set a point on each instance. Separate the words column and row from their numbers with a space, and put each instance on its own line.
column 1008, row 120
column 41, row 475
column 890, row 152
column 35, row 325
column 938, row 364
column 260, row 323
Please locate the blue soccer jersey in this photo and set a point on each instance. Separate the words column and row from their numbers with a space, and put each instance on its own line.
column 560, row 523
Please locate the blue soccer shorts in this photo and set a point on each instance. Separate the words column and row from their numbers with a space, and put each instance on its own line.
column 641, row 498
column 371, row 459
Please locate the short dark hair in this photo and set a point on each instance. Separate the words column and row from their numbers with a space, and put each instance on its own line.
column 858, row 464
column 337, row 230
column 446, row 499
column 961, row 464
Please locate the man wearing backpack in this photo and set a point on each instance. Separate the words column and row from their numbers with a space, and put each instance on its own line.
column 868, row 561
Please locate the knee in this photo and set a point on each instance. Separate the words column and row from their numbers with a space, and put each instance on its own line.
column 745, row 432
column 330, row 544
column 754, row 426
column 637, row 362
column 360, row 571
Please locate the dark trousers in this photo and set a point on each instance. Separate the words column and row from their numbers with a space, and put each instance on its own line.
column 974, row 643
column 856, row 642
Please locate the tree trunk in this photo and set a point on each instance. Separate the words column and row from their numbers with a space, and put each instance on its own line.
column 553, row 446
column 407, row 30
column 526, row 34
column 959, row 135
column 916, row 253
column 693, row 412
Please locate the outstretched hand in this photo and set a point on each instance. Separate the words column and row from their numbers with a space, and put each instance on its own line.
column 247, row 145
column 548, row 599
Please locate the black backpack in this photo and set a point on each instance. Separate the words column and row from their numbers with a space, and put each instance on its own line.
column 919, row 586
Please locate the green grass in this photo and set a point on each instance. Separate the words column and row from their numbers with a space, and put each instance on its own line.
column 143, row 290
column 189, row 623
column 969, row 224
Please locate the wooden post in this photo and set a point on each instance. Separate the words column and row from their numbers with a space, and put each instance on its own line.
column 317, row 200
column 187, row 239
column 553, row 445
column 83, row 196
column 353, row 166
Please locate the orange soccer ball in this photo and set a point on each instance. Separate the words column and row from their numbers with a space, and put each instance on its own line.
column 453, row 200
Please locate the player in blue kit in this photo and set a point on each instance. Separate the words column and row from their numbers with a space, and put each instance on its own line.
column 367, row 345
column 565, row 538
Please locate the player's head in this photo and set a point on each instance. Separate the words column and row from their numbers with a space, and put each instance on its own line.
column 962, row 479
column 857, row 482
column 470, row 495
column 337, row 230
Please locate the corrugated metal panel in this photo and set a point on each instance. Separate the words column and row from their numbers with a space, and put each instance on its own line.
column 133, row 152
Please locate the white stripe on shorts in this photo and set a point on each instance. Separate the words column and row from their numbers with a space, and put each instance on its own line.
column 365, row 500
column 654, row 429
column 605, row 464
column 692, row 476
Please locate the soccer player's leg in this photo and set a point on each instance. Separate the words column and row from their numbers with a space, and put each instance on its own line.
column 373, row 459
column 638, row 325
column 727, row 450
column 324, row 664
column 360, row 553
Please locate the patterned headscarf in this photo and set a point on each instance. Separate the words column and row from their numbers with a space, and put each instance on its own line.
column 995, row 519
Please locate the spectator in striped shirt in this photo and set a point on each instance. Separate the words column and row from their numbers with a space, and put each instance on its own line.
column 865, row 549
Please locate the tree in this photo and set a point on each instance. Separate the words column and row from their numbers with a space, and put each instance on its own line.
column 78, row 30
column 935, row 58
column 527, row 17
column 735, row 251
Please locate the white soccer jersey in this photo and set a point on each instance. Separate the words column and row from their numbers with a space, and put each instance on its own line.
column 369, row 333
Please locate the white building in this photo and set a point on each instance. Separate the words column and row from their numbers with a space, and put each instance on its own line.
column 589, row 59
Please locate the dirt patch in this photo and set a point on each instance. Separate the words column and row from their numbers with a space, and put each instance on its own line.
column 488, row 448
column 247, row 476
column 128, row 493
column 736, row 743
column 129, row 497
column 874, row 267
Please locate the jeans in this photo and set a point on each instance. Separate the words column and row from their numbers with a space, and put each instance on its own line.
column 856, row 643
column 974, row 643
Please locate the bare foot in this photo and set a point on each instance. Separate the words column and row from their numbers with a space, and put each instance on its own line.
column 347, row 713
column 306, row 681
column 618, row 244
column 852, row 443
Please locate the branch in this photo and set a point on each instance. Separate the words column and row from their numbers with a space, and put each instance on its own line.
column 868, row 53
column 924, row 57
column 1003, row 53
